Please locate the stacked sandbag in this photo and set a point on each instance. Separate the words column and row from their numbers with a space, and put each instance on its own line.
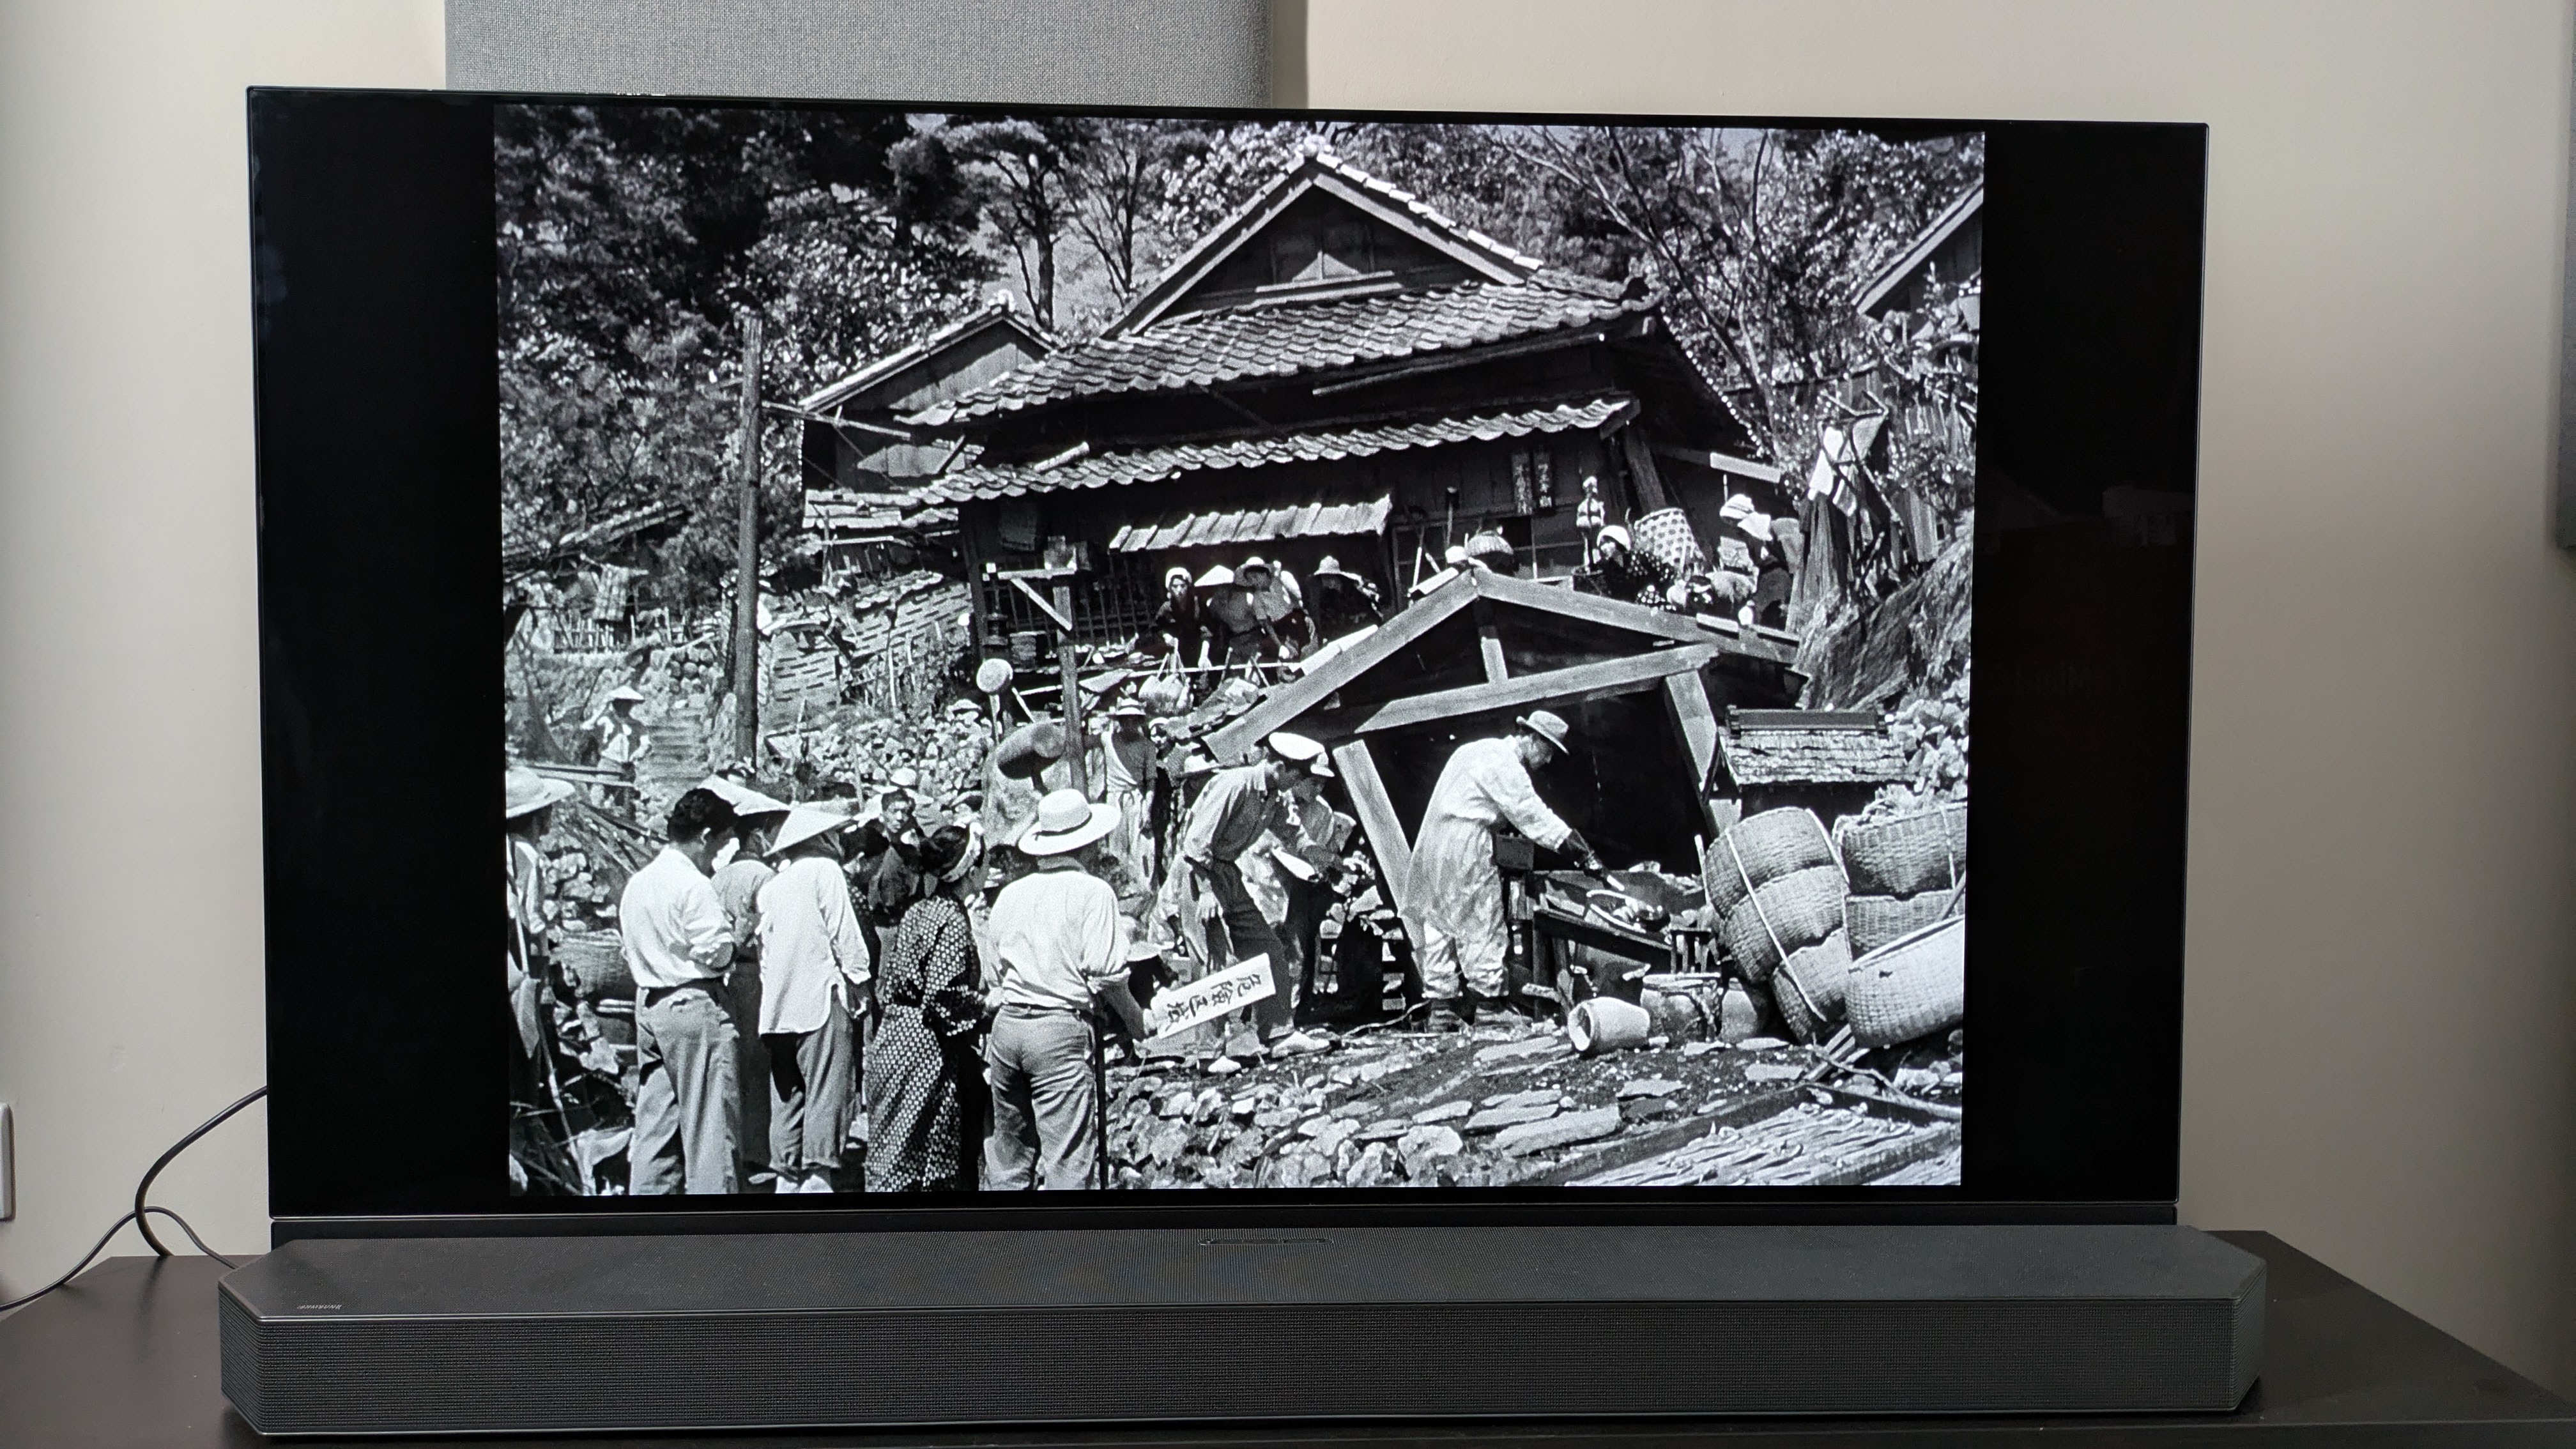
column 1906, row 873
column 1910, row 988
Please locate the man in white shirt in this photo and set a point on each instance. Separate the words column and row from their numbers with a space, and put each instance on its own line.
column 814, row 967
column 688, row 1111
column 1059, row 954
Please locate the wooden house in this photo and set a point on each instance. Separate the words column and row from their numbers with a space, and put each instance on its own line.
column 1335, row 369
column 1643, row 689
column 861, row 456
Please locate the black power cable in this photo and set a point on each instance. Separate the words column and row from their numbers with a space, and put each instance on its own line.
column 141, row 1216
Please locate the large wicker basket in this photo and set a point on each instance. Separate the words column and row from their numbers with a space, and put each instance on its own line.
column 1760, row 849
column 1909, row 854
column 1797, row 910
column 1911, row 988
column 1810, row 987
column 597, row 960
column 1877, row 920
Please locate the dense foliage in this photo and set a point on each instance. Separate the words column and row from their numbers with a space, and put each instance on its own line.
column 634, row 242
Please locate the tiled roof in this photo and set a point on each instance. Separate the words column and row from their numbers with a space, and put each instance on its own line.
column 871, row 373
column 838, row 510
column 1292, row 338
column 1811, row 756
column 1332, row 516
column 1153, row 465
column 615, row 528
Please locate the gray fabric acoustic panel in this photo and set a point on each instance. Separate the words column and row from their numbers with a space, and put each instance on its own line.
column 1070, row 52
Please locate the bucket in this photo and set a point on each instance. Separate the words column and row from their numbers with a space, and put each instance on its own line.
column 1606, row 1024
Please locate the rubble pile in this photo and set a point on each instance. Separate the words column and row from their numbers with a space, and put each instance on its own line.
column 1509, row 1102
column 849, row 744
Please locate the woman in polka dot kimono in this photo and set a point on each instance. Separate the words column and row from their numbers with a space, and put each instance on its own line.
column 925, row 1070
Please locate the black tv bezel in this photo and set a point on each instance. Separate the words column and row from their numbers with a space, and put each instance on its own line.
column 373, row 252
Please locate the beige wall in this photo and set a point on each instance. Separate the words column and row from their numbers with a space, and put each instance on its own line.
column 129, row 866
column 2377, row 1060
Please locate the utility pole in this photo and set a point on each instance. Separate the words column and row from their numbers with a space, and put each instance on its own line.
column 746, row 597
column 1068, row 655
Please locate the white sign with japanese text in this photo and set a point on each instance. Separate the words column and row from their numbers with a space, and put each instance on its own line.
column 1212, row 996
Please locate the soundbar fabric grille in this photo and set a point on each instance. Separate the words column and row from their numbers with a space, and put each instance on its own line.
column 1180, row 1363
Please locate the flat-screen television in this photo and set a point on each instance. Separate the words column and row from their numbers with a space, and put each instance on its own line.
column 1218, row 667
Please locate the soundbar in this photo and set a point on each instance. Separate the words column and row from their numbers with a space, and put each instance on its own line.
column 527, row 1335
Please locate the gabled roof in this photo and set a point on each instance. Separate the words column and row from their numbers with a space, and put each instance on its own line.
column 1154, row 465
column 994, row 314
column 846, row 512
column 1939, row 231
column 1286, row 340
column 1321, row 170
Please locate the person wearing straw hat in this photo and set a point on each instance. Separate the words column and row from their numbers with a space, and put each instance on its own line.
column 738, row 882
column 688, row 1118
column 1620, row 571
column 1278, row 607
column 1492, row 552
column 1341, row 602
column 1453, row 899
column 621, row 734
column 925, row 1075
column 814, row 968
column 1234, row 630
column 1059, row 954
column 1230, row 819
column 527, row 808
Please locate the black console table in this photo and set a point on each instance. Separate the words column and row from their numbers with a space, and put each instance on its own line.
column 126, row 1357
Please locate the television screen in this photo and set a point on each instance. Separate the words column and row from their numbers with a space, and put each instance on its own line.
column 1220, row 661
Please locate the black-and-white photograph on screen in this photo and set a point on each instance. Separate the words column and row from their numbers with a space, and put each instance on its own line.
column 1081, row 652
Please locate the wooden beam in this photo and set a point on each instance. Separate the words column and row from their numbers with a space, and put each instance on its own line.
column 1392, row 637
column 1720, row 462
column 1583, row 681
column 1044, row 606
column 1377, row 816
column 1651, row 497
column 1687, row 697
column 1727, row 634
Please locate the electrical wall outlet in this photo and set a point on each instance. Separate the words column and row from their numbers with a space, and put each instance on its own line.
column 8, row 1164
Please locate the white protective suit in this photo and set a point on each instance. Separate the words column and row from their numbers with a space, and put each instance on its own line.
column 1454, row 896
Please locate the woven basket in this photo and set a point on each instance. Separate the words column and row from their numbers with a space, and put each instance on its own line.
column 1909, row 988
column 1908, row 855
column 1797, row 910
column 1761, row 849
column 1877, row 920
column 1811, row 986
column 597, row 960
column 1666, row 534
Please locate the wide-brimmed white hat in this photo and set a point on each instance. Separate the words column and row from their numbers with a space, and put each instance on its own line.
column 626, row 692
column 1736, row 507
column 804, row 822
column 1175, row 572
column 1547, row 726
column 744, row 799
column 1066, row 822
column 1216, row 578
column 1757, row 525
column 1254, row 562
column 525, row 792
column 1329, row 567
column 1618, row 534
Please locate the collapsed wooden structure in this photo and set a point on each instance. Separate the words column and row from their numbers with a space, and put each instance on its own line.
column 1645, row 691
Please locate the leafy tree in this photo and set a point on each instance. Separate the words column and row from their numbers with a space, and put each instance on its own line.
column 1020, row 173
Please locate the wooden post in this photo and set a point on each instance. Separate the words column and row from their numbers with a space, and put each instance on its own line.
column 1686, row 695
column 1377, row 817
column 1068, row 654
column 1642, row 475
column 746, row 603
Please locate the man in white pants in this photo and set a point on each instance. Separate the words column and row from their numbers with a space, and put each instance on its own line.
column 1454, row 897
